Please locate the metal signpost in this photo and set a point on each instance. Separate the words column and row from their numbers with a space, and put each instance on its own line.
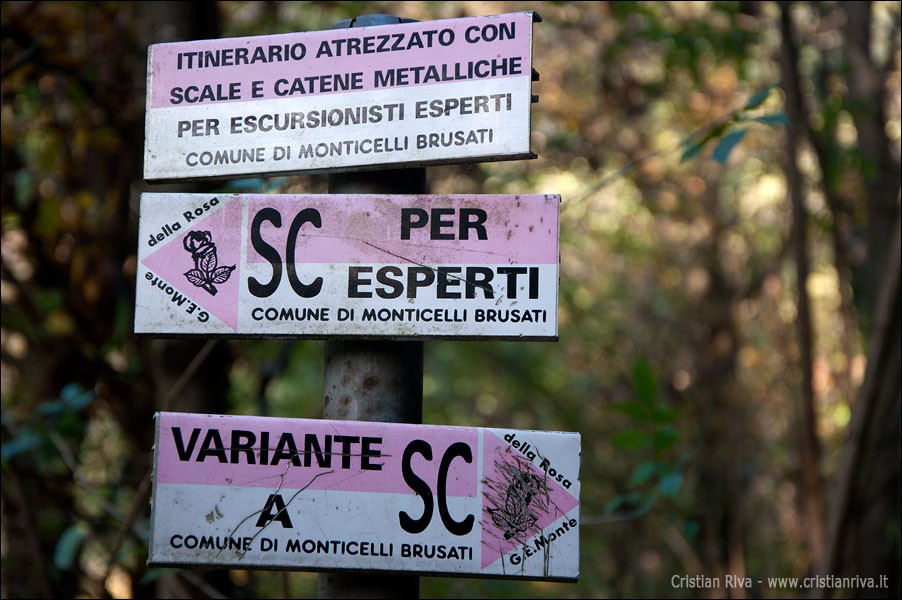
column 312, row 494
column 370, row 496
column 373, row 380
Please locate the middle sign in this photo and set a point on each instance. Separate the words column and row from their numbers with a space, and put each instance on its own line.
column 354, row 266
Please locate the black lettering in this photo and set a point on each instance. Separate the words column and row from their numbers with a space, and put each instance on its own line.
column 286, row 448
column 366, row 453
column 354, row 282
column 513, row 274
column 346, row 442
column 397, row 287
column 454, row 450
column 444, row 282
column 414, row 280
column 212, row 446
column 408, row 222
column 266, row 251
column 184, row 453
column 435, row 230
column 276, row 502
column 308, row 215
column 408, row 523
column 311, row 447
column 243, row 441
column 477, row 223
column 482, row 282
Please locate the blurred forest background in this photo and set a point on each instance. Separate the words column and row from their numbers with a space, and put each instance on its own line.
column 729, row 307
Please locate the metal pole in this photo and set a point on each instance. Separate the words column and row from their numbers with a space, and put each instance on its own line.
column 373, row 380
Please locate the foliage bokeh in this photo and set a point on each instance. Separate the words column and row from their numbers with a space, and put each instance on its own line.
column 663, row 125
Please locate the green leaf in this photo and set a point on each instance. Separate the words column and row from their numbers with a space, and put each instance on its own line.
column 693, row 150
column 780, row 118
column 75, row 397
column 725, row 146
column 67, row 547
column 665, row 438
column 613, row 504
column 663, row 414
column 25, row 441
column 642, row 473
column 649, row 501
column 671, row 483
column 633, row 439
column 714, row 133
column 690, row 530
column 152, row 575
column 23, row 187
column 758, row 99
column 634, row 410
column 644, row 383
column 56, row 407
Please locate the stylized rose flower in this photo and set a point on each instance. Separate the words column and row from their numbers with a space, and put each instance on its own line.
column 206, row 271
column 199, row 243
column 516, row 499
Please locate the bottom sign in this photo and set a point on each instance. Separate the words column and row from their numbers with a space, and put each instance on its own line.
column 302, row 494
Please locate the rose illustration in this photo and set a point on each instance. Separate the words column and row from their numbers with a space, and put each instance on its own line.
column 199, row 243
column 206, row 271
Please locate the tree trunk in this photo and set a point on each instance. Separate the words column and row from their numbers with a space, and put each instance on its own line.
column 810, row 451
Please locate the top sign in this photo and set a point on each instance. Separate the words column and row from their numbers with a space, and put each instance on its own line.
column 411, row 94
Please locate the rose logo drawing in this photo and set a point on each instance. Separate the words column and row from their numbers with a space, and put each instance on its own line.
column 206, row 271
column 514, row 497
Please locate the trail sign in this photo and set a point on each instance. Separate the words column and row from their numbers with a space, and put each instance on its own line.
column 353, row 266
column 411, row 94
column 352, row 495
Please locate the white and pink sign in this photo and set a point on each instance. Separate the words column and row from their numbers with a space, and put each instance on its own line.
column 355, row 266
column 457, row 90
column 351, row 495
